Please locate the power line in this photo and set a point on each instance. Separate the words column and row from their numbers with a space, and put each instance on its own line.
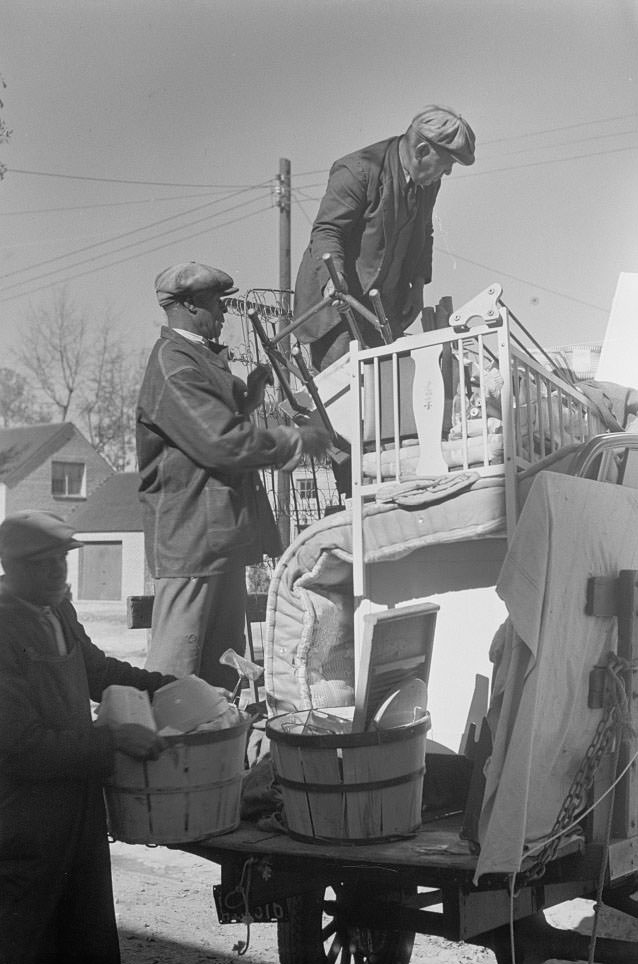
column 555, row 160
column 108, row 204
column 457, row 176
column 132, row 244
column 122, row 180
column 231, row 187
column 308, row 187
column 493, row 271
column 113, row 264
column 298, row 202
column 557, row 130
column 498, row 273
column 118, row 237
column 578, row 140
column 308, row 173
column 514, row 137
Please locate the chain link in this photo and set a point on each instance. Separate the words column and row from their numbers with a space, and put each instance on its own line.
column 610, row 728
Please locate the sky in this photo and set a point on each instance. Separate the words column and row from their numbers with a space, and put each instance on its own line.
column 149, row 132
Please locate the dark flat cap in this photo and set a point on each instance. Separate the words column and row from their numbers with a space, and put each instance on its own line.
column 446, row 129
column 181, row 280
column 33, row 534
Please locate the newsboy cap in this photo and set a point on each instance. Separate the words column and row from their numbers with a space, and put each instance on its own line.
column 181, row 280
column 34, row 534
column 446, row 129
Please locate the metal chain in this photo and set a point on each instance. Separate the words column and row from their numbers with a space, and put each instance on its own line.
column 610, row 727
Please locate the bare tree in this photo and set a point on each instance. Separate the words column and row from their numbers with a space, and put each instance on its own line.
column 17, row 405
column 52, row 351
column 80, row 370
column 109, row 397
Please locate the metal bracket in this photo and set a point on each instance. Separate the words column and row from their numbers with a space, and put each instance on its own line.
column 483, row 308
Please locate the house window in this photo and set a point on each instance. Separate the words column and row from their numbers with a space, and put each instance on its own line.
column 68, row 479
column 306, row 488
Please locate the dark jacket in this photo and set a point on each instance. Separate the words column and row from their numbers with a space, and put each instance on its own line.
column 198, row 455
column 356, row 225
column 55, row 884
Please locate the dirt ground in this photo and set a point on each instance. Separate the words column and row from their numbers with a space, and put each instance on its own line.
column 163, row 897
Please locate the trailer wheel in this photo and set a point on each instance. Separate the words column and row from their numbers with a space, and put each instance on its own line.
column 318, row 931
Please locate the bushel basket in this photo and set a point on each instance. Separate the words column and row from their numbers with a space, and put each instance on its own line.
column 190, row 792
column 349, row 788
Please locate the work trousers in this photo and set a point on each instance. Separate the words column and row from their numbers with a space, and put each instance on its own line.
column 195, row 619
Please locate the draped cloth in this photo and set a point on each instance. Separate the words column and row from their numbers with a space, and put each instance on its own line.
column 570, row 529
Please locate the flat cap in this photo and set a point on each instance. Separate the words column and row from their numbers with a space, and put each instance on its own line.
column 446, row 129
column 181, row 280
column 34, row 534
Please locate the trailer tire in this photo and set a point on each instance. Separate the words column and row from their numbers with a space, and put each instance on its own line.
column 318, row 931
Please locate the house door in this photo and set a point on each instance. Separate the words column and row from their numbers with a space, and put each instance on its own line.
column 100, row 570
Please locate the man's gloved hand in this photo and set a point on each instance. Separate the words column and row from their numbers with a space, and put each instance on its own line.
column 256, row 383
column 314, row 440
column 137, row 741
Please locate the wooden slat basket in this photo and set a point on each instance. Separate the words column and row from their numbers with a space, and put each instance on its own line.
column 348, row 788
column 190, row 792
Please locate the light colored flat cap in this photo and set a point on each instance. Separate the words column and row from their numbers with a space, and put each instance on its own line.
column 34, row 534
column 180, row 280
column 446, row 129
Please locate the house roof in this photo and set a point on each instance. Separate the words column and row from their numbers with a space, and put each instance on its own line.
column 113, row 507
column 24, row 448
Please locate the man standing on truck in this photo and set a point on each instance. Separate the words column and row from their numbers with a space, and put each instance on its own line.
column 206, row 514
column 56, row 900
column 375, row 219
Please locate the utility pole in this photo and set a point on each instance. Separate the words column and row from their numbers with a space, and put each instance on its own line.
column 285, row 283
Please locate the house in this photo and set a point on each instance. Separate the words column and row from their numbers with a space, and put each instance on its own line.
column 110, row 566
column 52, row 467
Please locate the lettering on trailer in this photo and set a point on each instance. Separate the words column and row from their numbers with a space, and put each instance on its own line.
column 231, row 910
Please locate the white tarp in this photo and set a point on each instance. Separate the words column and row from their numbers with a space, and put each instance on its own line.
column 569, row 529
column 619, row 355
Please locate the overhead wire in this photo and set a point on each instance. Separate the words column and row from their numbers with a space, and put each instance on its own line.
column 298, row 197
column 225, row 187
column 118, row 237
column 122, row 180
column 557, row 130
column 547, row 147
column 532, row 284
column 578, row 140
column 514, row 137
column 106, row 204
column 553, row 160
column 299, row 202
column 112, row 264
column 461, row 175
